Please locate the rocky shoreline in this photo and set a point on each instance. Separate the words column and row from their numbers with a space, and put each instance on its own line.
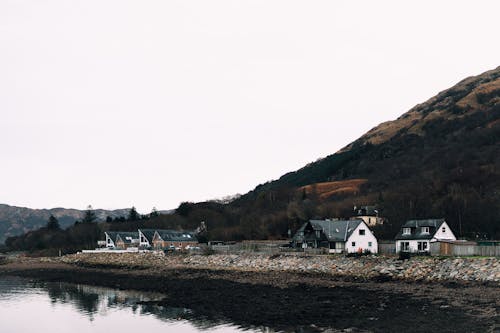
column 261, row 292
column 367, row 268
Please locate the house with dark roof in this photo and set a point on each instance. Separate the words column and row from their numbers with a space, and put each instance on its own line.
column 338, row 236
column 110, row 239
column 124, row 240
column 163, row 239
column 369, row 214
column 146, row 237
column 121, row 239
column 416, row 235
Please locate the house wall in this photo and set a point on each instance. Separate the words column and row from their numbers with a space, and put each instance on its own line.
column 109, row 242
column 143, row 241
column 448, row 234
column 413, row 246
column 362, row 241
column 120, row 245
column 161, row 244
column 339, row 248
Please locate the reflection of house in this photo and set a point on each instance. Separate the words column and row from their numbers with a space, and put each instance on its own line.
column 170, row 238
column 416, row 235
column 338, row 236
column 369, row 214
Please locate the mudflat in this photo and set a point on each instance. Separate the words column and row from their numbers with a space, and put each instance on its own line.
column 293, row 302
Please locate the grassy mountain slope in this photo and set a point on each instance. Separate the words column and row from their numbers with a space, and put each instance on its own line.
column 439, row 159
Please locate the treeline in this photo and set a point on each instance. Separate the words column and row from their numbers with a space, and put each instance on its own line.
column 83, row 234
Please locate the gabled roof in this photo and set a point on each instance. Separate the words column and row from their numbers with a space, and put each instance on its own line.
column 367, row 211
column 335, row 231
column 112, row 235
column 148, row 233
column 416, row 229
column 127, row 237
column 176, row 236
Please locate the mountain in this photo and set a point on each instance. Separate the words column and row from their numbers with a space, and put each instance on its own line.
column 18, row 220
column 439, row 159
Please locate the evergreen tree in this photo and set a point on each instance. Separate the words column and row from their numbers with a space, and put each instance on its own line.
column 133, row 215
column 89, row 216
column 53, row 223
column 154, row 213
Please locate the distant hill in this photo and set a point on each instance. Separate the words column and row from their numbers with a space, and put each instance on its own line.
column 18, row 220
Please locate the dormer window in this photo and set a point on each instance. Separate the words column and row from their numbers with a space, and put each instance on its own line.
column 406, row 231
column 425, row 230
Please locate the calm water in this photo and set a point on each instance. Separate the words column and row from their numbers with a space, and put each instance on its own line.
column 27, row 306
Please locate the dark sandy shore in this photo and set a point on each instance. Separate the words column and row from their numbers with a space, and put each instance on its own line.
column 296, row 302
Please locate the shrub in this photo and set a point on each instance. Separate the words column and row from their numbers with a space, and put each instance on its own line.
column 404, row 256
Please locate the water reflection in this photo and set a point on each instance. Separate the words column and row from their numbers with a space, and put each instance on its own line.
column 19, row 295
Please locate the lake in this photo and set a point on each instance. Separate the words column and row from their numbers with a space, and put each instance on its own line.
column 28, row 306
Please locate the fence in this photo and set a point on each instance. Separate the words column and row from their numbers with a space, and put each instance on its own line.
column 384, row 247
column 265, row 248
column 387, row 247
column 464, row 249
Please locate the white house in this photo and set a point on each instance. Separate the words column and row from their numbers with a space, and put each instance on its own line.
column 416, row 235
column 146, row 237
column 110, row 239
column 338, row 236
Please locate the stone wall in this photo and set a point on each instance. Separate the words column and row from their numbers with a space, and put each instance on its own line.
column 417, row 268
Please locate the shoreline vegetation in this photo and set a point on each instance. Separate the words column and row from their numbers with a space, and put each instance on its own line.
column 250, row 290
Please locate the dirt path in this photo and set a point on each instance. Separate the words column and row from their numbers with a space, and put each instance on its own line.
column 287, row 301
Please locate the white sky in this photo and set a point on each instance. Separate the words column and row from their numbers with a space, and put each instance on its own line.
column 149, row 103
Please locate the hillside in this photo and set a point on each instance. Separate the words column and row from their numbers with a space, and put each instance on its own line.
column 18, row 220
column 441, row 159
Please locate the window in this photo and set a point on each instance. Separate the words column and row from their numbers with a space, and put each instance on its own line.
column 406, row 231
column 405, row 246
column 353, row 244
column 443, row 230
column 318, row 234
column 422, row 246
column 361, row 232
column 369, row 244
column 425, row 230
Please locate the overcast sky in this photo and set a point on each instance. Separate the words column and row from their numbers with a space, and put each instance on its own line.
column 117, row 103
